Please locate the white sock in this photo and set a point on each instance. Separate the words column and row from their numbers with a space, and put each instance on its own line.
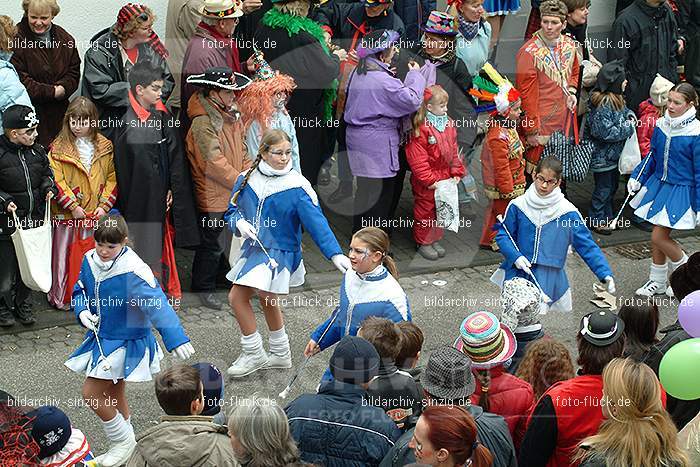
column 673, row 265
column 252, row 343
column 117, row 429
column 279, row 342
column 658, row 273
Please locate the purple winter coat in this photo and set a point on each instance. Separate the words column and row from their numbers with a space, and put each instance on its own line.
column 376, row 103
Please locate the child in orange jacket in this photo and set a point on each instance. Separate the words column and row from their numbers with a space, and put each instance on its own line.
column 432, row 155
column 502, row 162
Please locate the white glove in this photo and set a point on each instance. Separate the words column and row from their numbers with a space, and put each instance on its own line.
column 184, row 351
column 341, row 262
column 610, row 284
column 246, row 229
column 523, row 264
column 89, row 320
column 633, row 185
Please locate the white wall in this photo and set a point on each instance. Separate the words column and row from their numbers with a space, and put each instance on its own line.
column 84, row 18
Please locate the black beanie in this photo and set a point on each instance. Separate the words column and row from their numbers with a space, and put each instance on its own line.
column 686, row 279
column 354, row 361
column 610, row 77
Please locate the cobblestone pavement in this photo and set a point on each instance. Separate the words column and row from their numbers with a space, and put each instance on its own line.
column 32, row 362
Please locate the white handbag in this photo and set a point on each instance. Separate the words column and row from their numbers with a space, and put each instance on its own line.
column 33, row 251
column 631, row 155
column 447, row 204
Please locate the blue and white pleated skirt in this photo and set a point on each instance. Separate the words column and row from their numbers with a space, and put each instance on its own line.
column 554, row 283
column 253, row 269
column 501, row 7
column 665, row 204
column 133, row 360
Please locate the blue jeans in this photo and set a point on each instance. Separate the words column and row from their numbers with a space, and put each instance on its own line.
column 601, row 211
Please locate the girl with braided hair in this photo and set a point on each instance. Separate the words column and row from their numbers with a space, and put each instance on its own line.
column 269, row 205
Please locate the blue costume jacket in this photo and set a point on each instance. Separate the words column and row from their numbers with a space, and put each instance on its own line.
column 543, row 237
column 670, row 194
column 277, row 206
column 128, row 300
column 373, row 294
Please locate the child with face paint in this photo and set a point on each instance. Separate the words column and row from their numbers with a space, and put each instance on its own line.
column 370, row 288
column 263, row 104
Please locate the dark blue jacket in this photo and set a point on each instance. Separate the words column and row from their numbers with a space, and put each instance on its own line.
column 522, row 339
column 608, row 130
column 414, row 14
column 336, row 428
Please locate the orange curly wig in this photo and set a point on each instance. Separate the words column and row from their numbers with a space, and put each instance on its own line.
column 255, row 102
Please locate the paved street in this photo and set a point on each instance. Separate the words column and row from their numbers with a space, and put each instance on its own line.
column 32, row 362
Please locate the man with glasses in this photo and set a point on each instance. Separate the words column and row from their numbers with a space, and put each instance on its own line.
column 26, row 184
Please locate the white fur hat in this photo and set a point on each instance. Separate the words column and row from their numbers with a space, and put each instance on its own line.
column 659, row 90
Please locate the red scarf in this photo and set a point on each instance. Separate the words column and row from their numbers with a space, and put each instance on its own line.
column 233, row 61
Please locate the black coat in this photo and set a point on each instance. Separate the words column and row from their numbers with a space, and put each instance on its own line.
column 149, row 161
column 454, row 78
column 302, row 57
column 25, row 178
column 341, row 17
column 105, row 78
column 645, row 38
column 689, row 28
column 680, row 411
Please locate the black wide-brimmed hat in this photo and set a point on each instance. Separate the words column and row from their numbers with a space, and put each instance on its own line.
column 601, row 328
column 220, row 78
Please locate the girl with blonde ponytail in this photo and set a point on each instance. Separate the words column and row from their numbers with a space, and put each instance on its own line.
column 370, row 288
column 269, row 204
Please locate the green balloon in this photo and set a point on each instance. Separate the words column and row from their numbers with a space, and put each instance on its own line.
column 679, row 371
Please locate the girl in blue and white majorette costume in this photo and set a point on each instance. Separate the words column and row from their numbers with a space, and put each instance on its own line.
column 543, row 224
column 269, row 205
column 668, row 185
column 118, row 299
column 370, row 288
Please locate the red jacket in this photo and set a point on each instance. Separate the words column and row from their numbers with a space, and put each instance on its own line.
column 648, row 114
column 577, row 405
column 433, row 155
column 511, row 398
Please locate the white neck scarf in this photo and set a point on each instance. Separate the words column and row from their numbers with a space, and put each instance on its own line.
column 676, row 122
column 105, row 265
column 266, row 169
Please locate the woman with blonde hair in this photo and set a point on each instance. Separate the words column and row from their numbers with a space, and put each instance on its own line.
column 50, row 74
column 260, row 434
column 637, row 431
column 12, row 91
